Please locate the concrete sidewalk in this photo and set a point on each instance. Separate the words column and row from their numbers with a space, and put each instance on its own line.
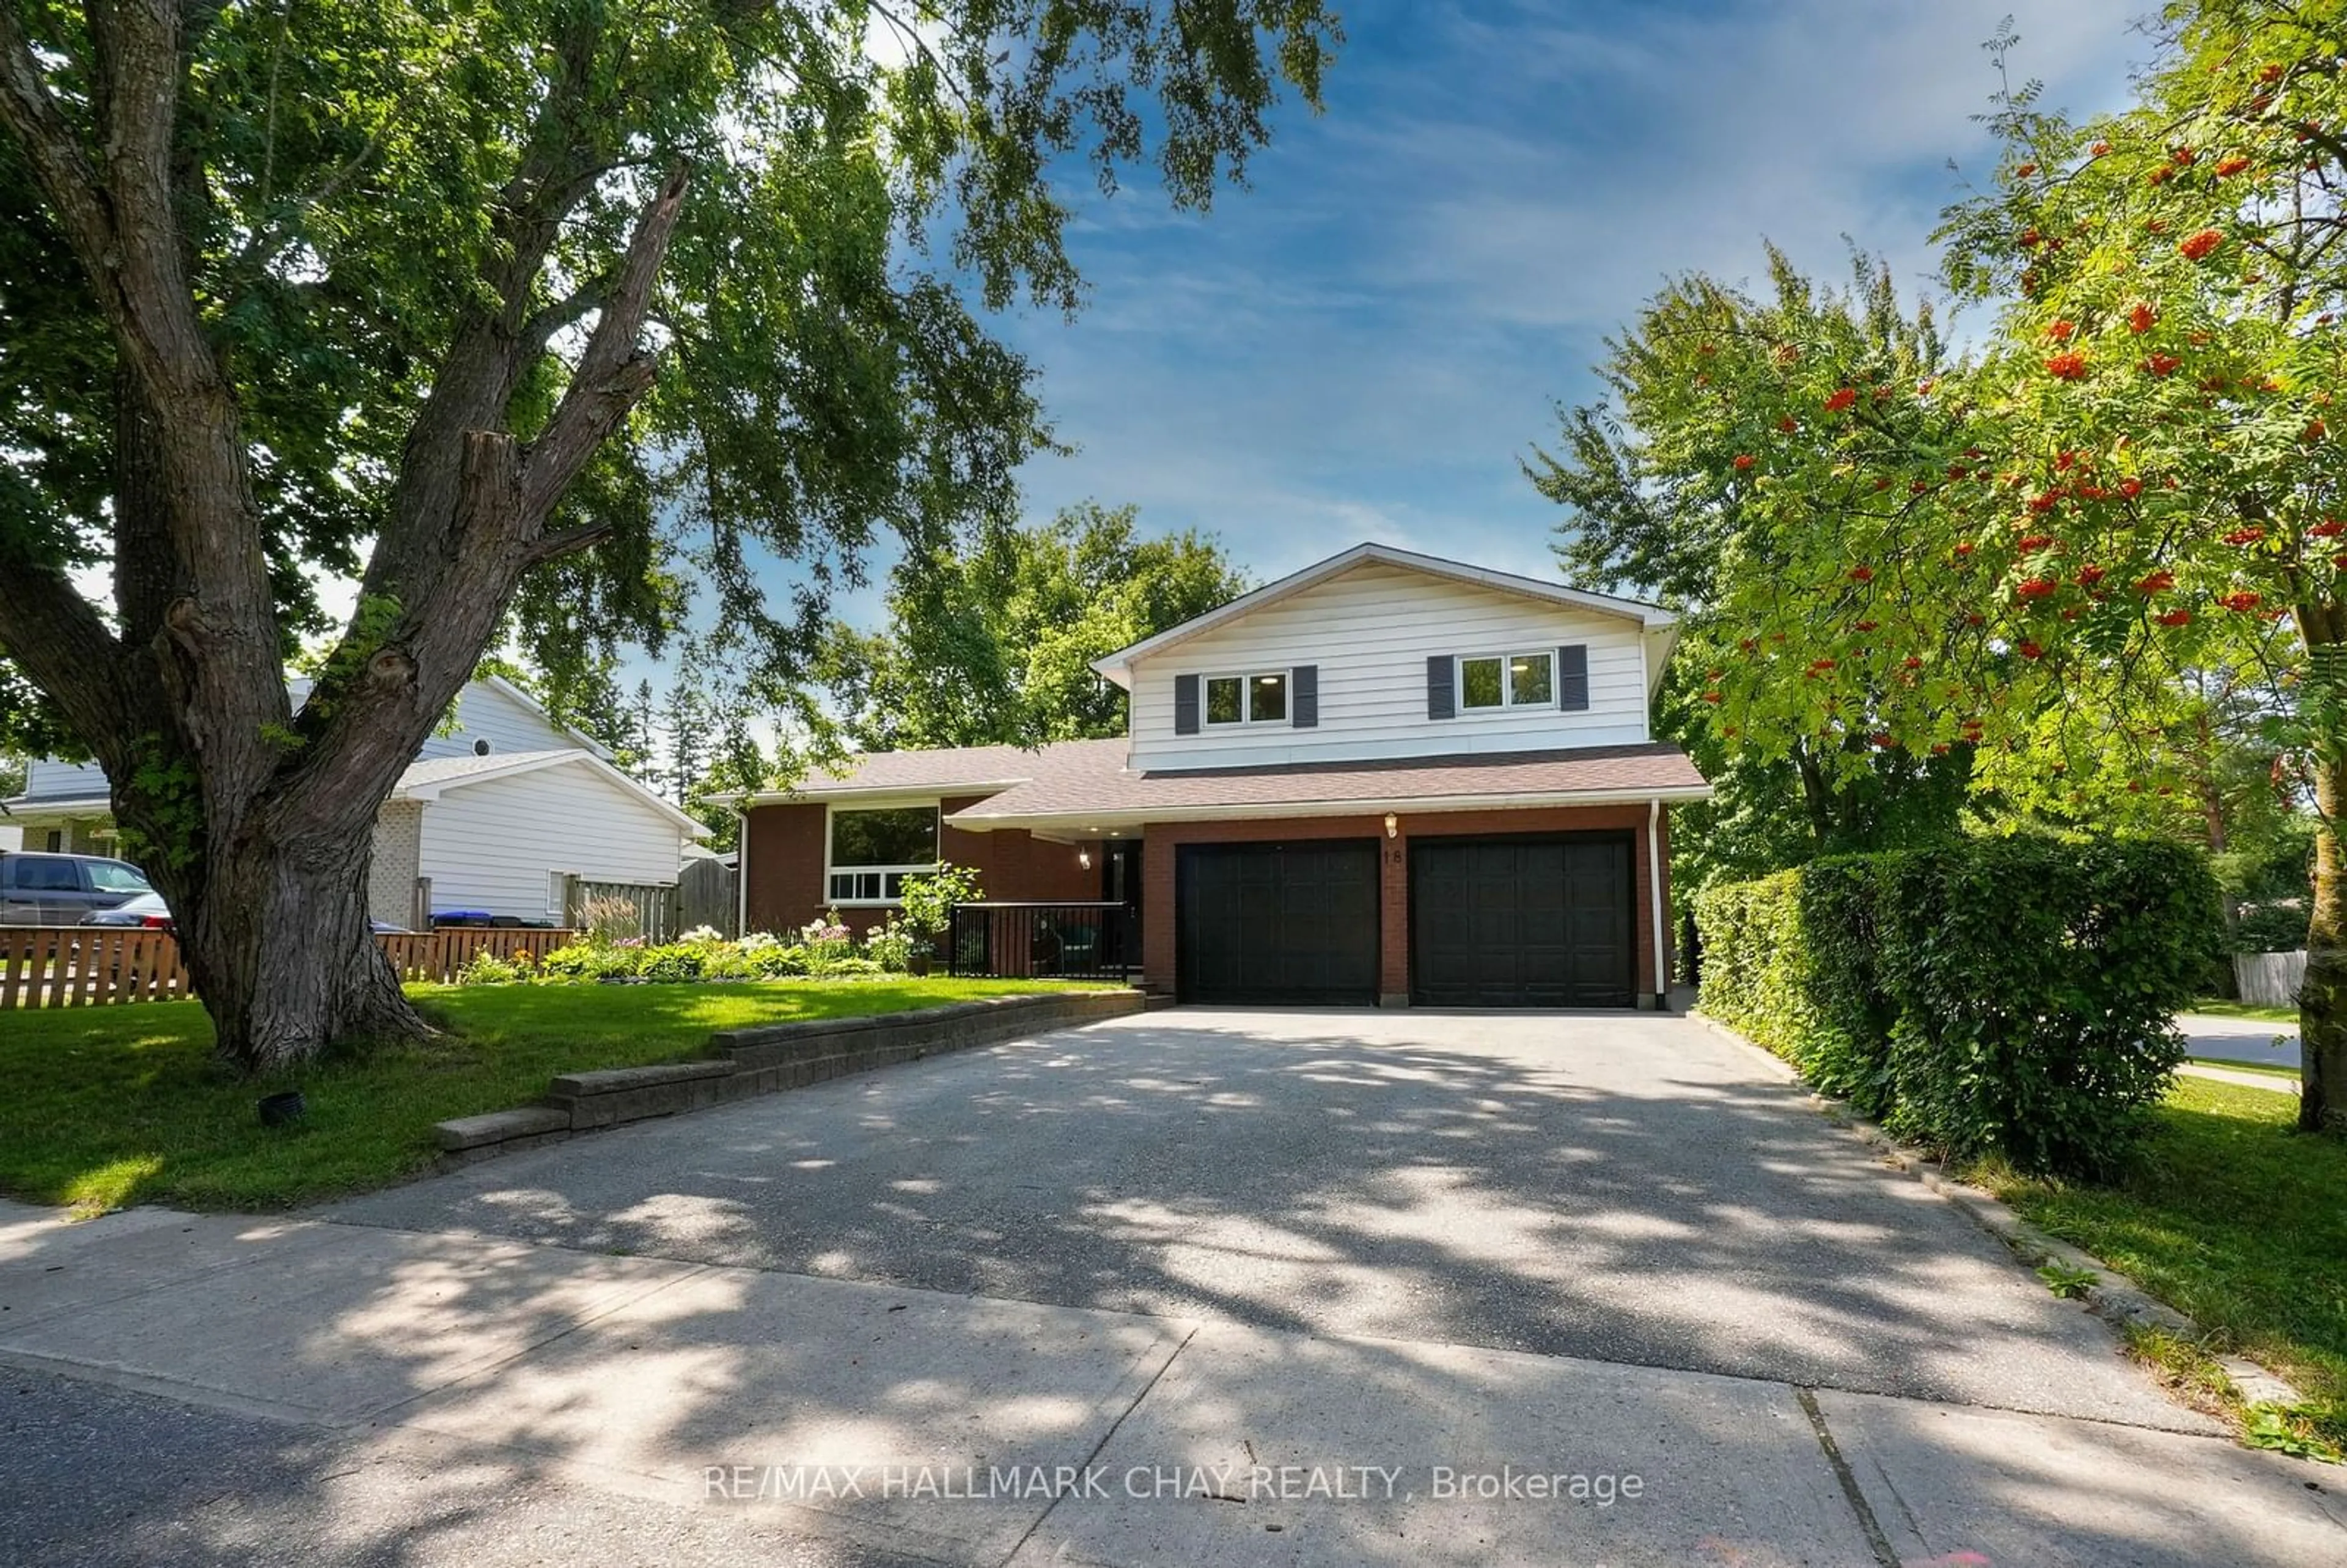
column 450, row 1391
column 2244, row 1080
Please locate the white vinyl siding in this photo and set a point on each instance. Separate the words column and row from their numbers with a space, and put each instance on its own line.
column 492, row 846
column 48, row 780
column 485, row 713
column 1371, row 631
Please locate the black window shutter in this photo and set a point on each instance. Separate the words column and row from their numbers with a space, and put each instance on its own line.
column 1185, row 705
column 1440, row 697
column 1573, row 678
column 1304, row 690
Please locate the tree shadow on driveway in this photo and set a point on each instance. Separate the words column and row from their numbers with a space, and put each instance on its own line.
column 927, row 1250
column 1617, row 1187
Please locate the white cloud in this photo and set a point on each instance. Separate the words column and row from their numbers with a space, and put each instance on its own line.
column 1364, row 344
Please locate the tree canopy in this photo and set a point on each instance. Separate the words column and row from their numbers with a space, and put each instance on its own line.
column 531, row 317
column 1661, row 501
column 2113, row 534
column 994, row 644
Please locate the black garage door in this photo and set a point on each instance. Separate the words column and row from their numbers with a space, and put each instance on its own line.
column 1279, row 922
column 1523, row 922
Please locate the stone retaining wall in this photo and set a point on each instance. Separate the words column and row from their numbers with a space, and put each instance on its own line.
column 751, row 1062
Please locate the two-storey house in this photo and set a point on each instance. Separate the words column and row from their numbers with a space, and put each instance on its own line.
column 501, row 807
column 1385, row 779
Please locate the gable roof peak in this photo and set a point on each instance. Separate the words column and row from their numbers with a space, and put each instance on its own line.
column 1117, row 667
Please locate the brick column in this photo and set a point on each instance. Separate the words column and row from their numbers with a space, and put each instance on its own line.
column 1393, row 917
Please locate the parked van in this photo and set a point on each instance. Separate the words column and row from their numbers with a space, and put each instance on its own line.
column 41, row 889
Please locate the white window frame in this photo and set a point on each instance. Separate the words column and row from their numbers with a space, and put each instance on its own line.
column 1246, row 707
column 833, row 808
column 1507, row 703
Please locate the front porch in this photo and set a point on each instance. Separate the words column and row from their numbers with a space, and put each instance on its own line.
column 1009, row 939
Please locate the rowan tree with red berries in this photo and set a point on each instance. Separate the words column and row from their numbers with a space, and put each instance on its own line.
column 2175, row 274
column 1673, row 487
column 2134, row 497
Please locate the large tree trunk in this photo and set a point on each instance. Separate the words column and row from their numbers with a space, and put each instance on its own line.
column 255, row 822
column 266, row 875
column 2322, row 1000
column 280, row 950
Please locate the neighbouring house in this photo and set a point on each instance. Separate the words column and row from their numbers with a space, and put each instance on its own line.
column 1385, row 779
column 500, row 812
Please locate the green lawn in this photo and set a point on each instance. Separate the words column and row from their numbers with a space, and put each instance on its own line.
column 109, row 1106
column 2214, row 1008
column 2235, row 1217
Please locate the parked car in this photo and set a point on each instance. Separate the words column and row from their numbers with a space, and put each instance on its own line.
column 44, row 889
column 148, row 910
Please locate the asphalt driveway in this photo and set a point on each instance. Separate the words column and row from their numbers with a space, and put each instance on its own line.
column 1629, row 1188
column 1215, row 1289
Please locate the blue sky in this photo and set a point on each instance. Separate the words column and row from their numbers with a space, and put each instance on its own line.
column 1364, row 342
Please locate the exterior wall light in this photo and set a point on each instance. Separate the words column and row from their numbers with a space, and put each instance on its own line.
column 1084, row 856
column 1393, row 824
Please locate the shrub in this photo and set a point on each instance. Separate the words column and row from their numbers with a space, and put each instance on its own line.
column 1786, row 959
column 723, row 961
column 776, row 960
column 672, row 962
column 2279, row 926
column 588, row 961
column 930, row 900
column 486, row 969
column 2011, row 996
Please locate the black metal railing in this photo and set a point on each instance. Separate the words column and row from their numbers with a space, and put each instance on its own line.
column 1023, row 941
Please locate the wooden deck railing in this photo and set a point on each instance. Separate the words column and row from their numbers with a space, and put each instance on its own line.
column 96, row 966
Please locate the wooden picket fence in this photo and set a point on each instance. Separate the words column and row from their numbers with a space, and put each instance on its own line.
column 96, row 966
column 433, row 958
column 87, row 966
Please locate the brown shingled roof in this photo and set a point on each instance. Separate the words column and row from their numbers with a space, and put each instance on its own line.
column 1604, row 772
column 1077, row 779
column 967, row 769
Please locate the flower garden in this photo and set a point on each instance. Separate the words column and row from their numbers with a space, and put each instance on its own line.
column 822, row 949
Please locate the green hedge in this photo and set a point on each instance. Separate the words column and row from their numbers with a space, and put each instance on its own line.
column 2010, row 996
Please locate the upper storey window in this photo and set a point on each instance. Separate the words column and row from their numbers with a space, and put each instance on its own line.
column 1257, row 699
column 1290, row 697
column 1488, row 680
column 1555, row 678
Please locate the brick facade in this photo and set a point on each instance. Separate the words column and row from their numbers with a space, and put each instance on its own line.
column 1162, row 839
column 786, row 855
column 786, row 871
column 75, row 836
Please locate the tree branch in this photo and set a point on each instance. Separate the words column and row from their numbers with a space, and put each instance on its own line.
column 567, row 311
column 67, row 177
column 56, row 635
column 568, row 541
column 615, row 370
